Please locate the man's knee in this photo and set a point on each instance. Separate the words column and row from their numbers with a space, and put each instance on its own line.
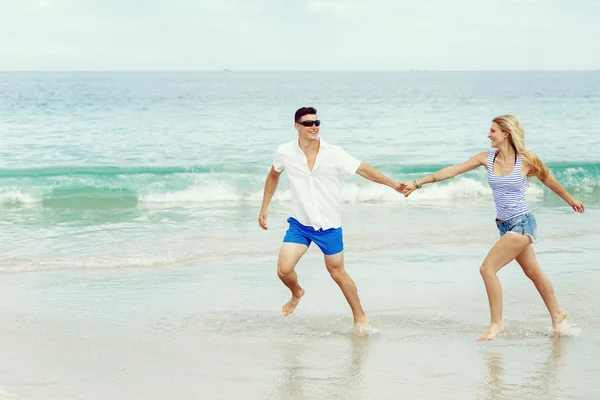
column 289, row 255
column 335, row 268
column 284, row 271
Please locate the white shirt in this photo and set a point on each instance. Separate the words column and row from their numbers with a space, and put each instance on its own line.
column 316, row 195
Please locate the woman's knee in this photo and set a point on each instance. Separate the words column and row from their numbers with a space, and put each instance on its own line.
column 533, row 273
column 487, row 270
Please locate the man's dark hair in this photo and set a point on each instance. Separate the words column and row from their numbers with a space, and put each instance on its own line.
column 304, row 111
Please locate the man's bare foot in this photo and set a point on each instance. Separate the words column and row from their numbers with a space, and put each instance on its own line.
column 491, row 332
column 290, row 306
column 362, row 325
column 557, row 319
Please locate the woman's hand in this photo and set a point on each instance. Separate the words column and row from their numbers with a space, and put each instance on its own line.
column 577, row 206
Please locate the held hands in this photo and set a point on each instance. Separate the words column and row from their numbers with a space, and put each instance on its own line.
column 262, row 219
column 577, row 206
column 405, row 188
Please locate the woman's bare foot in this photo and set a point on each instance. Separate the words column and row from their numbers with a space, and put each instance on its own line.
column 491, row 332
column 557, row 319
column 361, row 325
column 290, row 306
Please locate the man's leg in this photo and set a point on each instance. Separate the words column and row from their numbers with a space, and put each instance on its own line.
column 335, row 266
column 289, row 255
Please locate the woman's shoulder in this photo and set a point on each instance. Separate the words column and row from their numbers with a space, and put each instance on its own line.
column 484, row 156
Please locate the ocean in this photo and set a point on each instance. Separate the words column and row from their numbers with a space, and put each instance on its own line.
column 133, row 267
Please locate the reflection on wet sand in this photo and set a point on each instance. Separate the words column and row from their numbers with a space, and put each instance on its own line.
column 299, row 379
column 541, row 383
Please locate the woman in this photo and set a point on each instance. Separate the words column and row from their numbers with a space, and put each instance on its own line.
column 508, row 169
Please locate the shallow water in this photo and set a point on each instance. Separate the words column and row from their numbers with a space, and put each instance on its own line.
column 213, row 329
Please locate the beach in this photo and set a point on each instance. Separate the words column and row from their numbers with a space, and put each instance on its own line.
column 132, row 264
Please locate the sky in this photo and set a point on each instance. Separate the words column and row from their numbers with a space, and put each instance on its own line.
column 299, row 34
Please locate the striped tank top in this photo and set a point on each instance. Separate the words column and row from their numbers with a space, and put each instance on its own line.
column 509, row 191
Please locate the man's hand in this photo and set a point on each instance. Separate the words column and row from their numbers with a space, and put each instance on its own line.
column 262, row 219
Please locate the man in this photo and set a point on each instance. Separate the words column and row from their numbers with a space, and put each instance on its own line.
column 316, row 172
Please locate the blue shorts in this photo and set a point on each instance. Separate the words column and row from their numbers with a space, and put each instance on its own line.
column 523, row 225
column 329, row 240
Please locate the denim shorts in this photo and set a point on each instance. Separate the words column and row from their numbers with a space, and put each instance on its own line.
column 522, row 224
column 330, row 241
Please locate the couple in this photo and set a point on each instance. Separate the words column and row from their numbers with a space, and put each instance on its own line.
column 316, row 172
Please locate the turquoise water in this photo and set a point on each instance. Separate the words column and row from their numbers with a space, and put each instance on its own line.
column 131, row 252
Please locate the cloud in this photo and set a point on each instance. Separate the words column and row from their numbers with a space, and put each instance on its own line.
column 336, row 8
column 307, row 34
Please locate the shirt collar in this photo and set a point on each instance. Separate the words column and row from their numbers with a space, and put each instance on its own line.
column 324, row 144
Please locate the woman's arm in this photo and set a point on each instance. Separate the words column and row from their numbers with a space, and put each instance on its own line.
column 477, row 160
column 557, row 188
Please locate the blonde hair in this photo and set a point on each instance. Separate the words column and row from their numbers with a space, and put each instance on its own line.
column 509, row 124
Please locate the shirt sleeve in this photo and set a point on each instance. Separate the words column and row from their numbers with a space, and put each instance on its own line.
column 346, row 163
column 277, row 163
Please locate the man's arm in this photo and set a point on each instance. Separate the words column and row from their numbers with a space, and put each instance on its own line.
column 270, row 187
column 372, row 174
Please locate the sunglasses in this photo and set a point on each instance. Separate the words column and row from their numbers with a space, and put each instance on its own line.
column 310, row 123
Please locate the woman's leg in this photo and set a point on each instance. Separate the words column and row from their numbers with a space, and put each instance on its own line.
column 528, row 261
column 504, row 251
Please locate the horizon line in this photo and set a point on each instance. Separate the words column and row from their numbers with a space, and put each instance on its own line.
column 231, row 70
